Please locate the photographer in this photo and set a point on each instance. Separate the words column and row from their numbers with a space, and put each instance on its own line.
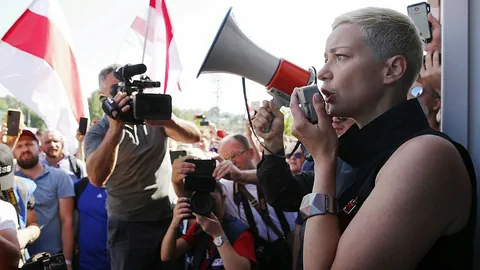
column 235, row 171
column 218, row 241
column 411, row 199
column 127, row 159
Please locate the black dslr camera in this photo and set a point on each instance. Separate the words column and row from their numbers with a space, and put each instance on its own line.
column 199, row 184
column 45, row 261
column 143, row 106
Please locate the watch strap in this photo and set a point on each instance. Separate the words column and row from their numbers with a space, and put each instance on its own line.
column 318, row 204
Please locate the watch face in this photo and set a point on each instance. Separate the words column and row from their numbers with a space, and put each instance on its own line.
column 218, row 241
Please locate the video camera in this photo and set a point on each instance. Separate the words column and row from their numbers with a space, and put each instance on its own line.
column 143, row 106
column 45, row 261
column 200, row 183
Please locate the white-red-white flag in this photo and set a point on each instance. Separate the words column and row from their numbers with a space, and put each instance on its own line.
column 39, row 68
column 151, row 38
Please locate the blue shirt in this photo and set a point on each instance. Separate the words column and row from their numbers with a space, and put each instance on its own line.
column 66, row 166
column 52, row 185
column 93, row 229
column 24, row 189
column 308, row 166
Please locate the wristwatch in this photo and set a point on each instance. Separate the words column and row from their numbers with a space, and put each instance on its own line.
column 219, row 240
column 314, row 204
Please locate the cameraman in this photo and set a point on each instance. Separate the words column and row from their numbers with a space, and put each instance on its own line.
column 213, row 243
column 130, row 158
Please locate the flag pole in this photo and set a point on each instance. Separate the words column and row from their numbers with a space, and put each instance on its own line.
column 146, row 35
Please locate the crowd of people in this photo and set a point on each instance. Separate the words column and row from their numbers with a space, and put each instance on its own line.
column 373, row 185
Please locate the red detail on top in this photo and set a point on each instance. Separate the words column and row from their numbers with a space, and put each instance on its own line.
column 350, row 206
column 153, row 3
column 169, row 37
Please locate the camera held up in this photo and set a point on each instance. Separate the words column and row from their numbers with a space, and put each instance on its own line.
column 143, row 106
column 199, row 184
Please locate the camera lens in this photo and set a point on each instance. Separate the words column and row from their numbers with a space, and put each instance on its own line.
column 202, row 203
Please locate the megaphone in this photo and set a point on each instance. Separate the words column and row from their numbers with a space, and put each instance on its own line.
column 233, row 52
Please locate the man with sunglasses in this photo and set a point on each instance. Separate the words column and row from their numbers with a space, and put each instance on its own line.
column 270, row 226
column 295, row 160
column 430, row 101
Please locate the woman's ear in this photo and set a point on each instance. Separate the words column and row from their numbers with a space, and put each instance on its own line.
column 395, row 68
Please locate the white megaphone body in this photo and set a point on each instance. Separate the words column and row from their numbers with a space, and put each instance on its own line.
column 233, row 52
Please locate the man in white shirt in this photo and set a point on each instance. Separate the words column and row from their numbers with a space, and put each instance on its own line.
column 237, row 155
column 236, row 168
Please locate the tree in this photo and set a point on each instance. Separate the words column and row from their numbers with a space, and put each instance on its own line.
column 95, row 107
column 30, row 117
column 213, row 113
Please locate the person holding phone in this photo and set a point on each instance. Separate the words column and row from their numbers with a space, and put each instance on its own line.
column 431, row 72
column 410, row 199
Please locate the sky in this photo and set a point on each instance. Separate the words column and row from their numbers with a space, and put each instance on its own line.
column 294, row 30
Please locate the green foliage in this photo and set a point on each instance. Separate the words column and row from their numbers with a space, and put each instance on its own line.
column 287, row 120
column 233, row 123
column 31, row 118
column 95, row 107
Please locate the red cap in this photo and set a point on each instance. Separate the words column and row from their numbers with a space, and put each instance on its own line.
column 26, row 132
column 221, row 133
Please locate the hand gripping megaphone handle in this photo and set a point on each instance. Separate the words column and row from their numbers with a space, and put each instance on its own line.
column 267, row 129
column 280, row 99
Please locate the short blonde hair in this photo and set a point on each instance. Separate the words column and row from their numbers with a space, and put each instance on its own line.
column 388, row 33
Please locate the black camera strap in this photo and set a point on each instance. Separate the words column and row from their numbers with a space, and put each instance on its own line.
column 74, row 166
column 280, row 215
column 262, row 208
column 246, row 207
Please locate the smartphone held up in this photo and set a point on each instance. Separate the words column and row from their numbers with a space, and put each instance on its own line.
column 82, row 127
column 13, row 122
column 419, row 15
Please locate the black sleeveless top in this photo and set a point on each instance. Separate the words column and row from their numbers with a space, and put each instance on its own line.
column 366, row 150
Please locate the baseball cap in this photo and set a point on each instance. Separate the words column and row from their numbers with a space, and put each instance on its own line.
column 221, row 133
column 7, row 167
column 26, row 132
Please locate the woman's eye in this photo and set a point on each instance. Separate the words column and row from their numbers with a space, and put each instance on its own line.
column 340, row 57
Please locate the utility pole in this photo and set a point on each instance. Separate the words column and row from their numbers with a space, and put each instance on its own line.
column 216, row 92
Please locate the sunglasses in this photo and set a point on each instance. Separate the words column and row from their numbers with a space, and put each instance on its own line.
column 416, row 91
column 296, row 155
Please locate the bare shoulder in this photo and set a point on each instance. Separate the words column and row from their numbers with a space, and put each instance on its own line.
column 434, row 166
column 421, row 194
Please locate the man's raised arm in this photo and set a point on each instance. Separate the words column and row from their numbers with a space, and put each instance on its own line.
column 101, row 145
column 178, row 129
column 101, row 162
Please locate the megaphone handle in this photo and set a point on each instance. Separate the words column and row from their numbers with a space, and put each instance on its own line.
column 267, row 129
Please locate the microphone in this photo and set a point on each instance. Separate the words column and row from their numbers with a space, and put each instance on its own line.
column 128, row 71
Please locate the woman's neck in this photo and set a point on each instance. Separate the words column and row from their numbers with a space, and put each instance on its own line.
column 382, row 106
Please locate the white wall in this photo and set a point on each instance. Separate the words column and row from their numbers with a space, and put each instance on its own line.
column 461, row 81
